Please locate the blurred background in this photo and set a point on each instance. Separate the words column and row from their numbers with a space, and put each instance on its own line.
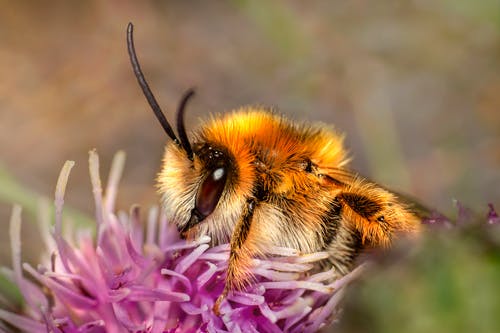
column 415, row 85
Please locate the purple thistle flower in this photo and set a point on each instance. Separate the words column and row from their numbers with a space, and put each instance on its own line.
column 493, row 217
column 125, row 280
column 464, row 217
column 436, row 219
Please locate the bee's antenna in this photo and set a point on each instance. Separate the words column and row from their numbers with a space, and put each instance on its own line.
column 145, row 87
column 181, row 129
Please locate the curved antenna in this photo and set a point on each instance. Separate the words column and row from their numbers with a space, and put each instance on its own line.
column 181, row 129
column 144, row 85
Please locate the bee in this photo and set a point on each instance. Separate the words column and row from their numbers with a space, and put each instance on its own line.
column 255, row 179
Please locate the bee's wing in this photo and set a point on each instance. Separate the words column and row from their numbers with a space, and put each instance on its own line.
column 413, row 204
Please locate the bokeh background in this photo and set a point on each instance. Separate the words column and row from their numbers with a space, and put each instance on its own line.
column 415, row 85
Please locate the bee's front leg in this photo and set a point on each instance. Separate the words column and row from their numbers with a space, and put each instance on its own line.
column 243, row 248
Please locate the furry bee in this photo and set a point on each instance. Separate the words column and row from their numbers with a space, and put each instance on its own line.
column 255, row 179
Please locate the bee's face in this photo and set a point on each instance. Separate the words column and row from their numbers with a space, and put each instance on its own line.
column 202, row 196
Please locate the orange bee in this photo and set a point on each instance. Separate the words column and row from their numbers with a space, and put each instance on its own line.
column 255, row 179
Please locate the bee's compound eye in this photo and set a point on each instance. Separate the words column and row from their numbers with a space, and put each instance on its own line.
column 210, row 191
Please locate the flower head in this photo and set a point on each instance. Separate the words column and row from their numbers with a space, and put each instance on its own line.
column 133, row 279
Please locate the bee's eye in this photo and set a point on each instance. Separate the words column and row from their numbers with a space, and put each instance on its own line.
column 210, row 191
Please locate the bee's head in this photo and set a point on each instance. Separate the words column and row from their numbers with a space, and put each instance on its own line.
column 195, row 178
column 202, row 196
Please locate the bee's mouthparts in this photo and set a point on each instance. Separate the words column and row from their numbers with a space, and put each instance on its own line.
column 196, row 217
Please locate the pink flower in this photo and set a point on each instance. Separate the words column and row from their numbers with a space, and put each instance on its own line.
column 128, row 280
column 493, row 217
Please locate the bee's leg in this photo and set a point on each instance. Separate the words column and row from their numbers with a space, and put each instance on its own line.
column 241, row 254
column 375, row 214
